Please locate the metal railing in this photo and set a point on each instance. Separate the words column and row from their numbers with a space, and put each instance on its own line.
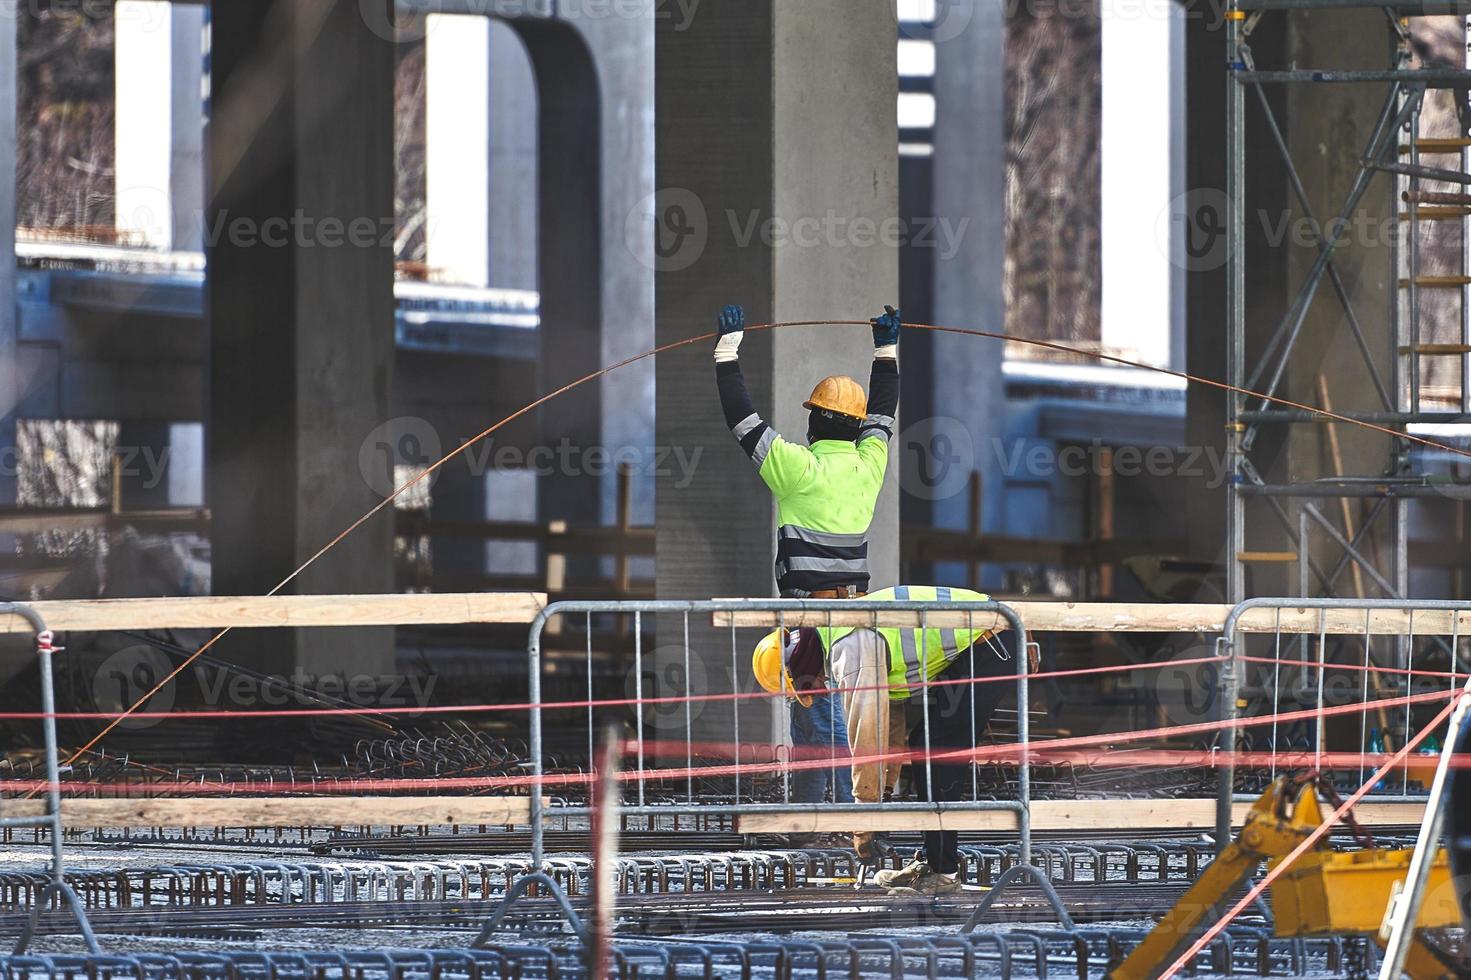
column 733, row 795
column 1335, row 671
column 57, row 890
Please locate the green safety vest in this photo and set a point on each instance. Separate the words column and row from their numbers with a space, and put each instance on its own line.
column 825, row 497
column 917, row 655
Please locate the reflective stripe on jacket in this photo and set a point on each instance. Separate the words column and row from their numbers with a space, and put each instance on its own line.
column 918, row 655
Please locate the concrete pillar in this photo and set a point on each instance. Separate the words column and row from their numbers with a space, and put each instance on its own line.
column 1138, row 180
column 11, row 379
column 1206, row 339
column 623, row 46
column 765, row 110
column 301, row 310
column 570, row 264
column 159, row 123
column 958, row 428
column 513, row 191
column 457, row 147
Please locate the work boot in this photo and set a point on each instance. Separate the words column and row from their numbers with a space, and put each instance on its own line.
column 905, row 877
column 929, row 882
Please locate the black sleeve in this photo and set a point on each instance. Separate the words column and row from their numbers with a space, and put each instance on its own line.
column 749, row 428
column 883, row 399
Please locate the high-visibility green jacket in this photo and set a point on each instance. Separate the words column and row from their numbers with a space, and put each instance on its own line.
column 918, row 655
column 825, row 493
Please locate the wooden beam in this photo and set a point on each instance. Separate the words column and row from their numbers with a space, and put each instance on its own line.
column 1129, row 617
column 218, row 612
column 287, row 811
column 1051, row 815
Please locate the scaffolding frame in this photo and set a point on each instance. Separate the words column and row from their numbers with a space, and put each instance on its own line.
column 1393, row 140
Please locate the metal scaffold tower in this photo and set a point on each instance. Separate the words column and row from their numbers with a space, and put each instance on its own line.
column 1414, row 368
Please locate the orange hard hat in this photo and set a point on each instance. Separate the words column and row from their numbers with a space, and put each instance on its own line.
column 839, row 395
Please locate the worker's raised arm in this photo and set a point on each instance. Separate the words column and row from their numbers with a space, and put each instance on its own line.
column 883, row 390
column 781, row 464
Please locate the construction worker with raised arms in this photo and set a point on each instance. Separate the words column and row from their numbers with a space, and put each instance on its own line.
column 825, row 494
column 881, row 676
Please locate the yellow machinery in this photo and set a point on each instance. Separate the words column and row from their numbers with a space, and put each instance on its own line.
column 1324, row 892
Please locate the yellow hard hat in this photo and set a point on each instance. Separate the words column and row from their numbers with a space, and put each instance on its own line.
column 768, row 663
column 840, row 395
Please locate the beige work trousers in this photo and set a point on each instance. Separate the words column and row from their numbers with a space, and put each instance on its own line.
column 876, row 725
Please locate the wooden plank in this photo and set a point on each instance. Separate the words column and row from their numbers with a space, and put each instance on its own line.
column 218, row 612
column 1437, row 349
column 1124, row 617
column 1051, row 815
column 289, row 811
column 1267, row 556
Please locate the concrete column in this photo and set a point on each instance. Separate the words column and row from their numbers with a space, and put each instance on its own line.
column 1137, row 163
column 457, row 147
column 960, row 426
column 765, row 110
column 159, row 123
column 623, row 46
column 513, row 190
column 301, row 310
column 11, row 380
column 570, row 265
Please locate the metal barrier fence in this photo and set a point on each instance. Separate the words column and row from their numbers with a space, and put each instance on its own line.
column 692, row 755
column 1340, row 660
column 57, row 889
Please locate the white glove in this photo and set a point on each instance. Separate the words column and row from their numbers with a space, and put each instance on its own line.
column 728, row 347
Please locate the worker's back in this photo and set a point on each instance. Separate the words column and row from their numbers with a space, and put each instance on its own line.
column 825, row 499
column 826, row 492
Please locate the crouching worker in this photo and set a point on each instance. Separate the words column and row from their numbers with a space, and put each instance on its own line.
column 818, row 731
column 880, row 675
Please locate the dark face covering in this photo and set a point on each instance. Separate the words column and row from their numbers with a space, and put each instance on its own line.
column 820, row 427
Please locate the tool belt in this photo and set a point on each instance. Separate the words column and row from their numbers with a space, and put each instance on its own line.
column 846, row 592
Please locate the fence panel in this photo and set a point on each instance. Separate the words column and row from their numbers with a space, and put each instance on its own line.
column 1337, row 683
column 720, row 748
